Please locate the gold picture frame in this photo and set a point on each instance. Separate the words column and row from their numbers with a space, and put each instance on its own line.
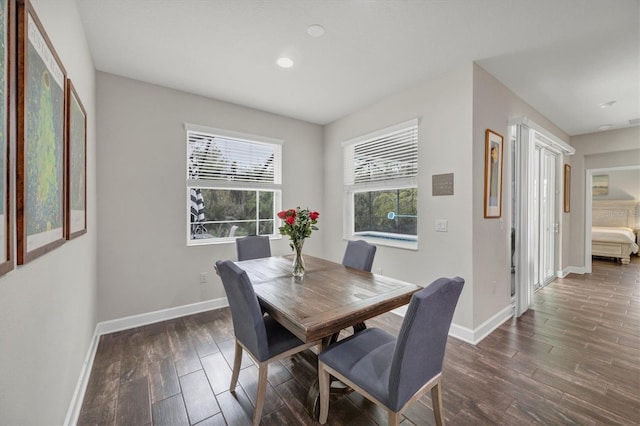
column 493, row 174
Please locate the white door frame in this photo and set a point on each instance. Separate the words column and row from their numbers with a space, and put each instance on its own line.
column 528, row 135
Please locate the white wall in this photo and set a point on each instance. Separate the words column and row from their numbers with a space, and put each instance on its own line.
column 48, row 306
column 144, row 262
column 613, row 148
column 443, row 106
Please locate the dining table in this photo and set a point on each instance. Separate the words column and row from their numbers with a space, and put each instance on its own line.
column 329, row 297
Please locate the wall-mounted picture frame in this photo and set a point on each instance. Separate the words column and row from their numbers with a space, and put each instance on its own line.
column 600, row 185
column 76, row 199
column 40, row 147
column 567, row 188
column 7, row 124
column 493, row 174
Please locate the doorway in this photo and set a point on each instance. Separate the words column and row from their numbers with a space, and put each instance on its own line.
column 536, row 191
column 588, row 196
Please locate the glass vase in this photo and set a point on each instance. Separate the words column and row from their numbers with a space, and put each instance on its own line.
column 297, row 268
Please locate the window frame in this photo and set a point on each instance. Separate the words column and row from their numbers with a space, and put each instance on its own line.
column 275, row 187
column 403, row 241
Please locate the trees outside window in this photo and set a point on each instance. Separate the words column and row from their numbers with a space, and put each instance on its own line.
column 380, row 184
column 233, row 185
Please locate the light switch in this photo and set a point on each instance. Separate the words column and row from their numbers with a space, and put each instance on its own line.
column 441, row 225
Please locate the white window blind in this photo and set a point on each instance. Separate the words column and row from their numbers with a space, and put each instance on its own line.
column 390, row 154
column 219, row 157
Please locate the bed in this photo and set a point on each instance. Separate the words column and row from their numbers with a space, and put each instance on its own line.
column 614, row 226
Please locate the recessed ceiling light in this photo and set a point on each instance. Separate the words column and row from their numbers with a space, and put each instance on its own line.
column 607, row 104
column 315, row 30
column 605, row 126
column 284, row 62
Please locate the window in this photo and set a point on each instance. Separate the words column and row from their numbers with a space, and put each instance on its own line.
column 381, row 187
column 233, row 185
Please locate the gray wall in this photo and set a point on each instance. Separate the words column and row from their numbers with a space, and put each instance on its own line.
column 48, row 306
column 613, row 148
column 144, row 263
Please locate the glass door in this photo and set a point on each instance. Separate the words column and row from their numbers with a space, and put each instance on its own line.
column 545, row 226
column 548, row 216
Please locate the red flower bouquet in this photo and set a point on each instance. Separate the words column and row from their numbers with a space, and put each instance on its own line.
column 298, row 224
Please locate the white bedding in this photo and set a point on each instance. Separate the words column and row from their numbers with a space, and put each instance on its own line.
column 615, row 235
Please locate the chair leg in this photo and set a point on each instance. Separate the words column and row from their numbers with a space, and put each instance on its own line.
column 436, row 401
column 237, row 360
column 324, row 379
column 263, row 368
column 394, row 418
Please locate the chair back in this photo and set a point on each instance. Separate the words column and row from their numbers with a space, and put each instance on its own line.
column 359, row 255
column 248, row 323
column 422, row 340
column 253, row 247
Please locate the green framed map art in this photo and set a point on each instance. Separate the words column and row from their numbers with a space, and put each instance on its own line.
column 6, row 83
column 76, row 165
column 40, row 153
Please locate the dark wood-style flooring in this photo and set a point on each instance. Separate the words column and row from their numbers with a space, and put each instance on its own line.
column 572, row 359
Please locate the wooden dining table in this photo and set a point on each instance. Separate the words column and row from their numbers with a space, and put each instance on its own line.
column 330, row 297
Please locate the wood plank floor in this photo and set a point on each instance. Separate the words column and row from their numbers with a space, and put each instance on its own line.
column 572, row 359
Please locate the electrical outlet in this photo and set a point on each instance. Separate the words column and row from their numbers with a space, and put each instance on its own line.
column 204, row 277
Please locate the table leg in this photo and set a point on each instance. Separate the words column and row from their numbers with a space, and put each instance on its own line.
column 337, row 387
column 313, row 397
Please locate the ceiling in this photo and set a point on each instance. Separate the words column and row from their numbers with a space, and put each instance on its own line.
column 564, row 57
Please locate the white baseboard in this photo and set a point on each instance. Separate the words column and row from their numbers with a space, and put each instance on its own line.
column 126, row 323
column 402, row 310
column 472, row 336
column 475, row 336
column 572, row 270
column 78, row 394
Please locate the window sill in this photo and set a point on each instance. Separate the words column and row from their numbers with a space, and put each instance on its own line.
column 216, row 241
column 389, row 240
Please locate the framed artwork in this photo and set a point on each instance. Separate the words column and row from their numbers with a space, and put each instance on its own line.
column 40, row 152
column 493, row 174
column 6, row 132
column 76, row 200
column 600, row 185
column 567, row 188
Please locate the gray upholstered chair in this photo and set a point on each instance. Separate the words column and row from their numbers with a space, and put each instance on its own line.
column 264, row 339
column 359, row 255
column 395, row 372
column 253, row 247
